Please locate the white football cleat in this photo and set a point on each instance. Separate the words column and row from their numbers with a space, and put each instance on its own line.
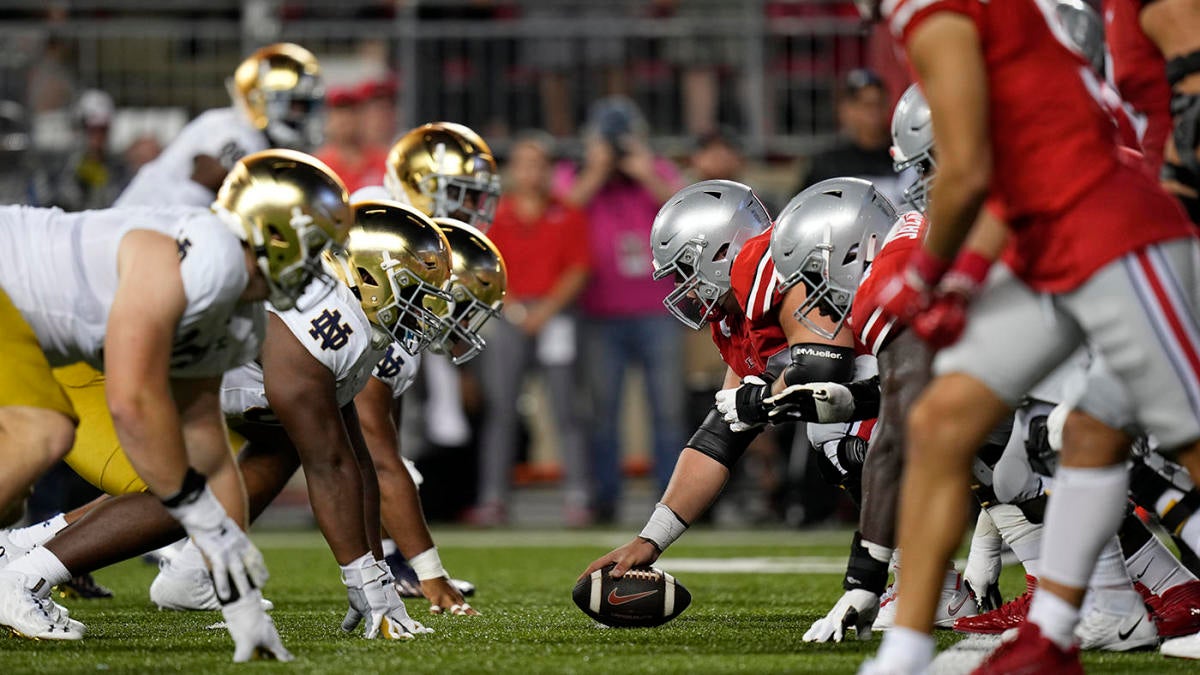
column 8, row 550
column 1186, row 647
column 1111, row 632
column 187, row 589
column 30, row 613
column 955, row 602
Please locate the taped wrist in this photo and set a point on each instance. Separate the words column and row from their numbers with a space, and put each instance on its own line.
column 815, row 362
column 664, row 527
column 863, row 571
column 428, row 565
column 714, row 438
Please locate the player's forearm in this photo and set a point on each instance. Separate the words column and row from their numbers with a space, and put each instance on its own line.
column 695, row 483
column 147, row 425
column 953, row 207
column 402, row 515
column 334, row 485
column 370, row 481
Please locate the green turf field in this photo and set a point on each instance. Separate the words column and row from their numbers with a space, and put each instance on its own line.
column 738, row 622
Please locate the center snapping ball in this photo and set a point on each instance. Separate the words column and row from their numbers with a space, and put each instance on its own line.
column 644, row 597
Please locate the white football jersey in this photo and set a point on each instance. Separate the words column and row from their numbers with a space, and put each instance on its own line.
column 397, row 369
column 223, row 133
column 333, row 329
column 61, row 273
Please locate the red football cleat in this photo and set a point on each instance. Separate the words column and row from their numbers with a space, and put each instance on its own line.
column 1031, row 653
column 1177, row 611
column 1009, row 615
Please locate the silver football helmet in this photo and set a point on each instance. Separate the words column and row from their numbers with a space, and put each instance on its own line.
column 912, row 144
column 1085, row 29
column 825, row 237
column 695, row 238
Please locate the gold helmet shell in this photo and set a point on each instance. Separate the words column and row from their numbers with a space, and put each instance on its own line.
column 478, row 285
column 445, row 170
column 279, row 89
column 289, row 207
column 397, row 262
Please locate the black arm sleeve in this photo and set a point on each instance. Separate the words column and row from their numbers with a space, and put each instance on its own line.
column 813, row 362
column 714, row 438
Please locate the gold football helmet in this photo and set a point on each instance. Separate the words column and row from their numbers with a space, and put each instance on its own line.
column 289, row 207
column 478, row 284
column 445, row 170
column 279, row 89
column 398, row 263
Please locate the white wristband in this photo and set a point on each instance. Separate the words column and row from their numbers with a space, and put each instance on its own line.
column 664, row 527
column 428, row 565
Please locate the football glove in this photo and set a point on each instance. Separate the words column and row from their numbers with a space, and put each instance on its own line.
column 744, row 407
column 373, row 595
column 821, row 402
column 253, row 631
column 855, row 609
column 237, row 566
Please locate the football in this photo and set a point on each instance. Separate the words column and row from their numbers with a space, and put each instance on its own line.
column 644, row 597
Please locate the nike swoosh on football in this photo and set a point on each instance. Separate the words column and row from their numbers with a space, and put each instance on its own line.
column 1124, row 635
column 614, row 599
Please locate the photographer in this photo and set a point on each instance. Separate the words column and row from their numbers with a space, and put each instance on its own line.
column 620, row 187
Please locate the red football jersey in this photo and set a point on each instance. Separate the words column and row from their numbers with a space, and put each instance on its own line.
column 1138, row 72
column 871, row 329
column 748, row 340
column 1073, row 203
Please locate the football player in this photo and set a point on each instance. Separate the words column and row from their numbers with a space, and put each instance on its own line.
column 712, row 238
column 277, row 95
column 316, row 358
column 1093, row 237
column 164, row 342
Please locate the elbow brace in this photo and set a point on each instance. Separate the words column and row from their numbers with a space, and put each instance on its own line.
column 812, row 362
column 714, row 438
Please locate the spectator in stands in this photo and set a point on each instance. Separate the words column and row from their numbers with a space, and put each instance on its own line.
column 621, row 186
column 539, row 235
column 21, row 181
column 92, row 177
column 345, row 149
column 377, row 113
column 717, row 155
column 863, row 111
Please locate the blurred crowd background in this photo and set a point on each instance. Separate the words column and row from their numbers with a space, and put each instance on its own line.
column 597, row 112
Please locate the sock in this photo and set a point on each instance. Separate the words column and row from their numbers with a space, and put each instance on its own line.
column 389, row 547
column 1110, row 570
column 1084, row 513
column 38, row 533
column 1055, row 617
column 1022, row 536
column 906, row 649
column 1155, row 566
column 40, row 563
column 983, row 562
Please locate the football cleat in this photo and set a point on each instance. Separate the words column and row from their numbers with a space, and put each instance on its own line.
column 1009, row 615
column 955, row 602
column 187, row 589
column 1106, row 631
column 83, row 587
column 409, row 586
column 1031, row 653
column 1182, row 647
column 1177, row 611
column 8, row 550
column 31, row 614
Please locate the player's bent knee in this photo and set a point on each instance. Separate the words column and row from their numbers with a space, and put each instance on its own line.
column 1088, row 442
column 47, row 433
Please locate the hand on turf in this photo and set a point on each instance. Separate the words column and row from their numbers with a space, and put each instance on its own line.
column 253, row 632
column 444, row 597
column 389, row 617
column 822, row 402
column 637, row 553
column 855, row 609
column 744, row 407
